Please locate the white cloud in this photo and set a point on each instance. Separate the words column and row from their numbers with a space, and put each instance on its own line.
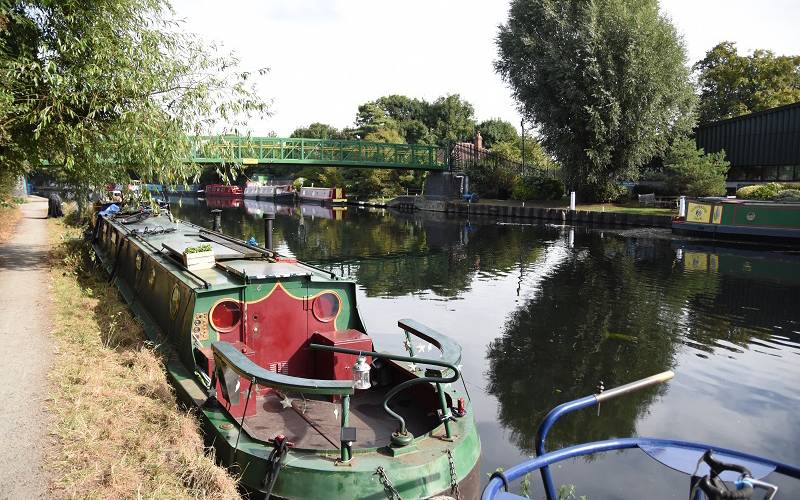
column 328, row 56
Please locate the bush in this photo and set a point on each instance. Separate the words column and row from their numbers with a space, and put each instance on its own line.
column 768, row 191
column 692, row 172
column 788, row 195
column 538, row 188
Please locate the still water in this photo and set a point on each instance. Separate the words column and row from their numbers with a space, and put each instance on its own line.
column 547, row 313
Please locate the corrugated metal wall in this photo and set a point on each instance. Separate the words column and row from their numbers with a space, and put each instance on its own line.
column 767, row 138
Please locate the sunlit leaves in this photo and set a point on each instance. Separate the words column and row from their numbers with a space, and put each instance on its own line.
column 109, row 89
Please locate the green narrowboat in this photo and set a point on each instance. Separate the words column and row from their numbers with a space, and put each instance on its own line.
column 723, row 218
column 274, row 356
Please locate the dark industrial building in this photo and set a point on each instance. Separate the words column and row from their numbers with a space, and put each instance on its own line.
column 762, row 147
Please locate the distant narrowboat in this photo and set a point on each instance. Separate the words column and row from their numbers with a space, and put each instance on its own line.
column 325, row 196
column 223, row 191
column 277, row 192
column 288, row 386
column 721, row 218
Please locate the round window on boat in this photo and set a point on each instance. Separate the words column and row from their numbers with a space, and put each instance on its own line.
column 326, row 307
column 175, row 301
column 151, row 280
column 138, row 261
column 225, row 316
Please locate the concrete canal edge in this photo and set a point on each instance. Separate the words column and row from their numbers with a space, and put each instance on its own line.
column 561, row 215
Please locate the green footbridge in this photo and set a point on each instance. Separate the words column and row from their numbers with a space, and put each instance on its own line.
column 323, row 152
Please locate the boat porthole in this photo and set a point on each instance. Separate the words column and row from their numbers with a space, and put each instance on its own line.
column 151, row 280
column 175, row 301
column 138, row 261
column 326, row 307
column 225, row 316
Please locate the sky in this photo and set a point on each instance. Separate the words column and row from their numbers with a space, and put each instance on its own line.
column 326, row 57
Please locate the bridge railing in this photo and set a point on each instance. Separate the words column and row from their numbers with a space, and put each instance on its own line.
column 259, row 150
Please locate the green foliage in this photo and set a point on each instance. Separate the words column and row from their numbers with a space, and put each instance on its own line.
column 567, row 492
column 691, row 172
column 497, row 130
column 788, row 195
column 205, row 247
column 533, row 187
column 733, row 85
column 320, row 131
column 388, row 135
column 604, row 81
column 108, row 90
column 769, row 191
column 493, row 179
column 447, row 119
column 535, row 156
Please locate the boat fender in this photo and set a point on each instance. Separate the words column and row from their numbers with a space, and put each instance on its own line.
column 280, row 448
column 461, row 409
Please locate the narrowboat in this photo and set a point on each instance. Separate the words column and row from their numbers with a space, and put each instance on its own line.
column 722, row 218
column 277, row 192
column 289, row 387
column 325, row 196
column 715, row 473
column 223, row 191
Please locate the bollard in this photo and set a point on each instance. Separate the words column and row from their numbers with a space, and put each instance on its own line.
column 268, row 218
column 217, row 226
column 682, row 206
column 572, row 201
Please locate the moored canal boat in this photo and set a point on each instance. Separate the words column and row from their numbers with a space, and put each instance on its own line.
column 288, row 385
column 722, row 218
column 325, row 196
column 278, row 192
column 223, row 191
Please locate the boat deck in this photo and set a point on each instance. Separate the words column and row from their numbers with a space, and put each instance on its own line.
column 314, row 424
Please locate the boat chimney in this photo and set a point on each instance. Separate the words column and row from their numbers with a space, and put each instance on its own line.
column 217, row 213
column 268, row 218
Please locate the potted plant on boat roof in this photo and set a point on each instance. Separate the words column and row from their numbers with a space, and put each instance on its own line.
column 198, row 257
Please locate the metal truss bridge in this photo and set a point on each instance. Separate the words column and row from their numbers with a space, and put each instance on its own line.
column 323, row 152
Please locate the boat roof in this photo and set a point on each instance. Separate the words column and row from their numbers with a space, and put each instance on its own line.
column 237, row 263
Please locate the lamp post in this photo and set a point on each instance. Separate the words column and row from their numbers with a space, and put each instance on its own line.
column 522, row 127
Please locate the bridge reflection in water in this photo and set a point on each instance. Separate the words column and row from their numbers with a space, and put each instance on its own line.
column 546, row 313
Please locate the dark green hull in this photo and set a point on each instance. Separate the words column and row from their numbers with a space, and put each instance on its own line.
column 741, row 220
column 148, row 279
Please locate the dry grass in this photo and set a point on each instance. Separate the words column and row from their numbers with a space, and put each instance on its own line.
column 10, row 215
column 118, row 430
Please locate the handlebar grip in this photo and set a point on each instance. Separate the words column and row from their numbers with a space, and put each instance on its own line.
column 634, row 386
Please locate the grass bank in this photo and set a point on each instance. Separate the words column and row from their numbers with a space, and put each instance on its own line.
column 117, row 428
column 10, row 215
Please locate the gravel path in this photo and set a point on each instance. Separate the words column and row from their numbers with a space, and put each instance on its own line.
column 25, row 349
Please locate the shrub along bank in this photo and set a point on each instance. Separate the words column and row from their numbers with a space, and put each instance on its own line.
column 117, row 428
column 775, row 191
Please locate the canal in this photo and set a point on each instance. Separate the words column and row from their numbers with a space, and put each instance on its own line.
column 547, row 313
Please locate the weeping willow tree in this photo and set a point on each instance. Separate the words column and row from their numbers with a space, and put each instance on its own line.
column 108, row 90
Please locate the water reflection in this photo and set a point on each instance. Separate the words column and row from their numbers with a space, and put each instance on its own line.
column 619, row 310
column 546, row 313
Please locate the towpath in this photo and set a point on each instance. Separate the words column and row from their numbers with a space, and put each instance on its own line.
column 25, row 351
